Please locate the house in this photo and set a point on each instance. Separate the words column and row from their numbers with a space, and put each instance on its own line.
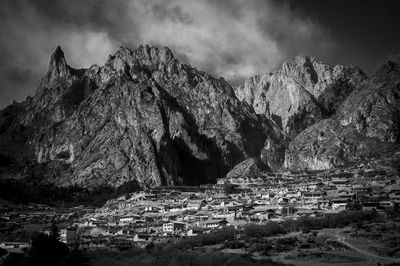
column 128, row 220
column 70, row 235
column 194, row 231
column 173, row 227
column 96, row 231
column 123, row 231
column 395, row 197
column 360, row 191
column 193, row 206
column 142, row 237
column 14, row 247
column 215, row 223
column 386, row 204
column 47, row 230
column 340, row 183
column 370, row 206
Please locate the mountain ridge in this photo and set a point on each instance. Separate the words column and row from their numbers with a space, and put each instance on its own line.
column 145, row 118
column 142, row 117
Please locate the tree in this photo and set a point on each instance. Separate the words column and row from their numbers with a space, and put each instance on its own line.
column 55, row 232
column 76, row 258
column 2, row 252
column 229, row 188
column 46, row 250
column 268, row 229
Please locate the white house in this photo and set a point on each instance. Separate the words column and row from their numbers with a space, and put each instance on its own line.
column 173, row 227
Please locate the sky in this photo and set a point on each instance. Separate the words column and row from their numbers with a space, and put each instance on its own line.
column 234, row 39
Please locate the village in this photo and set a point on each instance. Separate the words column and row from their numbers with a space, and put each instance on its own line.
column 164, row 213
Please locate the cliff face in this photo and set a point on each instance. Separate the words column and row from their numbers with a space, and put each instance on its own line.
column 143, row 117
column 366, row 124
column 301, row 93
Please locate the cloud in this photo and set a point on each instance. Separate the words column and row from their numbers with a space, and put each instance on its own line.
column 27, row 41
column 230, row 38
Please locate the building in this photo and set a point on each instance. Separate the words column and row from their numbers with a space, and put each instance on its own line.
column 194, row 231
column 173, row 227
column 128, row 220
column 15, row 247
column 215, row 223
column 339, row 204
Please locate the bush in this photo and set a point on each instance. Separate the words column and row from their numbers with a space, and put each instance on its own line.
column 265, row 230
column 235, row 244
column 2, row 252
column 340, row 219
column 47, row 250
column 215, row 237
column 287, row 241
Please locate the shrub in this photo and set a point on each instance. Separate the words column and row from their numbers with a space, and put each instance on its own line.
column 234, row 244
column 265, row 230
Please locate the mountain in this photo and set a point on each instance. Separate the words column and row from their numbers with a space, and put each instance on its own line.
column 366, row 125
column 143, row 117
column 301, row 93
column 330, row 116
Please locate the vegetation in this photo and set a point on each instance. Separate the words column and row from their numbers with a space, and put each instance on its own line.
column 267, row 239
column 268, row 229
column 386, row 235
column 215, row 237
column 21, row 192
column 185, row 251
column 340, row 219
column 2, row 252
column 306, row 224
column 48, row 250
column 230, row 188
column 163, row 256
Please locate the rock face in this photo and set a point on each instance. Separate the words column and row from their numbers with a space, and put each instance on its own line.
column 249, row 168
column 301, row 93
column 366, row 124
column 143, row 117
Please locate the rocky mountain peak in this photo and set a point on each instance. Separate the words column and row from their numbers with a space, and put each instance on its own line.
column 388, row 72
column 156, row 54
column 291, row 95
column 142, row 117
column 145, row 58
column 144, row 54
column 365, row 124
column 57, row 56
column 58, row 67
column 299, row 62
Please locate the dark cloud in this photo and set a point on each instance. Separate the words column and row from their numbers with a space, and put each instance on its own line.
column 230, row 38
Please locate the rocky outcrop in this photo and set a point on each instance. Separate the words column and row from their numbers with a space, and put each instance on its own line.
column 146, row 119
column 249, row 168
column 366, row 124
column 301, row 93
column 142, row 117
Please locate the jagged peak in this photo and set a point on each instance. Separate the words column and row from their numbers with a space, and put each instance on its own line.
column 155, row 53
column 300, row 61
column 302, row 64
column 389, row 71
column 58, row 66
column 57, row 58
column 123, row 52
column 145, row 52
